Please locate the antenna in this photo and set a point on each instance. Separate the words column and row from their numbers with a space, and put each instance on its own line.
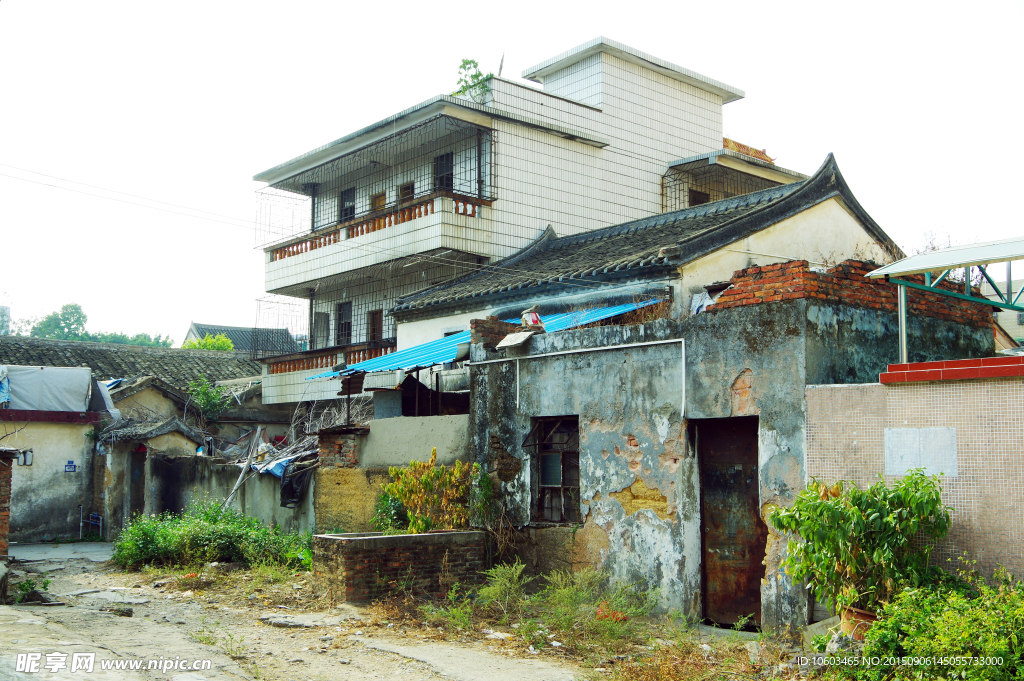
column 501, row 64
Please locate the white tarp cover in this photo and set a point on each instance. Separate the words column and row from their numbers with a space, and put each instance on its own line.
column 50, row 388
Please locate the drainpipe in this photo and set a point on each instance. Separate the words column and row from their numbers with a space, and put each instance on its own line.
column 312, row 341
column 479, row 165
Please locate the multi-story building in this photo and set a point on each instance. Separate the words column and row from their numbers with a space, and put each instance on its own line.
column 449, row 185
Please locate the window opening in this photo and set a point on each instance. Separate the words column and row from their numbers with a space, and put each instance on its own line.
column 406, row 192
column 377, row 202
column 347, row 205
column 557, row 468
column 375, row 325
column 343, row 323
column 444, row 172
column 697, row 198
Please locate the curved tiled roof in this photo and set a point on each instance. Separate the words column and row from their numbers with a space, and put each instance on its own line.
column 278, row 341
column 174, row 366
column 659, row 242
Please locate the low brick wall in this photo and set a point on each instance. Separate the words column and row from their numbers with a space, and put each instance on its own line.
column 847, row 283
column 339, row 447
column 489, row 331
column 359, row 568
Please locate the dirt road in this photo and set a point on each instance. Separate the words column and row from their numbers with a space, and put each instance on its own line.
column 232, row 637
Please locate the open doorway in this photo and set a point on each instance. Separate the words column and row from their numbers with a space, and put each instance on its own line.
column 137, row 482
column 733, row 536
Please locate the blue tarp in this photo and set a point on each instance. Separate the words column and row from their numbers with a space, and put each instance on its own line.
column 444, row 350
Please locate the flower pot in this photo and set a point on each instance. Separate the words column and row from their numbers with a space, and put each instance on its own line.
column 856, row 622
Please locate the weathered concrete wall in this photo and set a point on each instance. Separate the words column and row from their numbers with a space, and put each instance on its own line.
column 632, row 438
column 172, row 482
column 343, row 498
column 397, row 441
column 7, row 463
column 45, row 498
column 148, row 404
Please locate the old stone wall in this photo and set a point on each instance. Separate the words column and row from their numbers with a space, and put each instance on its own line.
column 359, row 568
column 344, row 498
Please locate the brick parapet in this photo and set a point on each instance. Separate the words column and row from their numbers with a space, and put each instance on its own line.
column 847, row 283
column 359, row 568
column 489, row 331
column 338, row 450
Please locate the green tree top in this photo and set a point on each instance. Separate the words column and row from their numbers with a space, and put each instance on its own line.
column 472, row 83
column 69, row 324
column 210, row 342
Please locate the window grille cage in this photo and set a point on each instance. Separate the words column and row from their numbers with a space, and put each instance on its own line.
column 687, row 188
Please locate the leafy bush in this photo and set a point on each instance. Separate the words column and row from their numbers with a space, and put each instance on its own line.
column 203, row 533
column 435, row 497
column 857, row 544
column 969, row 620
column 210, row 400
column 505, row 591
column 389, row 515
column 209, row 342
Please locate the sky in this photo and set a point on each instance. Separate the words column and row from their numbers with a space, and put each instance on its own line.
column 175, row 106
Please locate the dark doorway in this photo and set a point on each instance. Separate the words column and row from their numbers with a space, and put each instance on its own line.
column 733, row 534
column 137, row 485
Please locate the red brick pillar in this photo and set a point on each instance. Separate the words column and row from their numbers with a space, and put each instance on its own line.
column 7, row 458
column 338, row 450
column 489, row 331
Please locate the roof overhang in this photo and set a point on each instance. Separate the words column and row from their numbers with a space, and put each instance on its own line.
column 740, row 163
column 600, row 44
column 446, row 105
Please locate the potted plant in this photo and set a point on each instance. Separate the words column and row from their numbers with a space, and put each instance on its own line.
column 857, row 547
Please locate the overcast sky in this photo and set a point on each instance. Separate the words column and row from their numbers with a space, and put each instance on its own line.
column 184, row 102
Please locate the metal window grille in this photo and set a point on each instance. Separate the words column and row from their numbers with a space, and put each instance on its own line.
column 698, row 185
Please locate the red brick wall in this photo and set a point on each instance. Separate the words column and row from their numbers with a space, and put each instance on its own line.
column 848, row 284
column 489, row 331
column 338, row 450
column 6, row 470
column 359, row 568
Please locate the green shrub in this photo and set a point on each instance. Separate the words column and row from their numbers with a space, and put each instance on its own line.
column 389, row 514
column 435, row 497
column 967, row 619
column 857, row 547
column 203, row 533
column 505, row 591
column 586, row 611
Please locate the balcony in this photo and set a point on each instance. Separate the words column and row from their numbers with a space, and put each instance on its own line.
column 284, row 378
column 444, row 220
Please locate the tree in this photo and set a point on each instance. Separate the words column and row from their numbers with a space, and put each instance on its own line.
column 68, row 324
column 472, row 83
column 210, row 400
column 209, row 342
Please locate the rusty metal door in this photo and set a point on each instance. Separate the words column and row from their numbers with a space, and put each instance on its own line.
column 734, row 536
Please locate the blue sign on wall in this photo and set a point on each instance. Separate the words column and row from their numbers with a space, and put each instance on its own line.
column 70, row 467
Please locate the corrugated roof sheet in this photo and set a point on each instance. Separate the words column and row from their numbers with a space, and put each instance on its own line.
column 445, row 349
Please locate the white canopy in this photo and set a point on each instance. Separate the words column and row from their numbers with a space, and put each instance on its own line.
column 955, row 257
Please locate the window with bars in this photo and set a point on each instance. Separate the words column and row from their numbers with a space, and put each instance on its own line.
column 556, row 468
column 407, row 192
column 347, row 205
column 343, row 323
column 375, row 325
column 444, row 172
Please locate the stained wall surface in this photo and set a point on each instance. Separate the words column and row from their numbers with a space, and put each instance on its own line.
column 846, row 440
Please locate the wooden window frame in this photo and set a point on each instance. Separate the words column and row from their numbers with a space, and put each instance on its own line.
column 551, row 437
column 406, row 193
column 342, row 327
column 347, row 204
column 383, row 196
column 444, row 172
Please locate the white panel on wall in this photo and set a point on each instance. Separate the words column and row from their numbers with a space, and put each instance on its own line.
column 933, row 449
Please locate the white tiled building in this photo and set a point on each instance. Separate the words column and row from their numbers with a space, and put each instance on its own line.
column 456, row 182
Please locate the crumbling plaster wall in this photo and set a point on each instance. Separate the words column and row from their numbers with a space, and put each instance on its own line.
column 639, row 482
column 44, row 497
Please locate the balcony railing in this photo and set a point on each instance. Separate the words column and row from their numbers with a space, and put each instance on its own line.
column 325, row 359
column 374, row 222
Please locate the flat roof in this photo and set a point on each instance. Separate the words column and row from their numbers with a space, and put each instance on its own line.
column 970, row 255
column 635, row 56
column 711, row 156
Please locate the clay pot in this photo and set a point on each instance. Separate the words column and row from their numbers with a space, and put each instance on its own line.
column 856, row 622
